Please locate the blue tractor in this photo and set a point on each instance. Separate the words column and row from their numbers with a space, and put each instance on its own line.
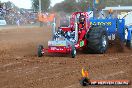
column 115, row 28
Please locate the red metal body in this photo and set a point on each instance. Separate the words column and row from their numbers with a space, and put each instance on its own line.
column 82, row 42
column 59, row 49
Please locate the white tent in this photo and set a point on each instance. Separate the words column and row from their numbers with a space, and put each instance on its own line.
column 127, row 17
column 122, row 12
column 118, row 8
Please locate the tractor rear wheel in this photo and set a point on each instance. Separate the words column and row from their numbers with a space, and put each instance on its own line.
column 129, row 43
column 73, row 51
column 97, row 40
column 40, row 48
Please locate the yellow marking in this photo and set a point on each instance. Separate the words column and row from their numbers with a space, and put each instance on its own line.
column 84, row 73
column 101, row 23
column 60, row 45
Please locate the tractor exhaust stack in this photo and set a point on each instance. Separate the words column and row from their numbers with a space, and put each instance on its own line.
column 53, row 28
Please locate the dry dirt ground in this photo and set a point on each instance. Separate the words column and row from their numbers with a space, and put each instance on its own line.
column 21, row 68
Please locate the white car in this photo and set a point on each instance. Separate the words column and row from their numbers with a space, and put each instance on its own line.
column 2, row 21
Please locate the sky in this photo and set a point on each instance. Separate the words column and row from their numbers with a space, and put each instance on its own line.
column 27, row 3
column 53, row 2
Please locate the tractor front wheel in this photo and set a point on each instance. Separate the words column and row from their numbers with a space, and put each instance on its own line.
column 129, row 43
column 40, row 49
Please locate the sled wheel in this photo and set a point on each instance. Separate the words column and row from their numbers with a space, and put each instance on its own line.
column 40, row 49
column 73, row 52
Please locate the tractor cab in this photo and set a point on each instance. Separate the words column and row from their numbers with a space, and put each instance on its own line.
column 81, row 22
column 81, row 18
column 79, row 25
column 76, row 31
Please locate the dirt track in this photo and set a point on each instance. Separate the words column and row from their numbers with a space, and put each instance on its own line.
column 21, row 68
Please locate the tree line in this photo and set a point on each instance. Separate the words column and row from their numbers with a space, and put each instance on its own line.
column 69, row 6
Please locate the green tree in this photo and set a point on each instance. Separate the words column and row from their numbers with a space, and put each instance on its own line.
column 73, row 5
column 45, row 4
column 66, row 6
column 82, row 5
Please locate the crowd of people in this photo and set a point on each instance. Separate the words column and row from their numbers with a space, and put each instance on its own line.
column 17, row 16
column 14, row 15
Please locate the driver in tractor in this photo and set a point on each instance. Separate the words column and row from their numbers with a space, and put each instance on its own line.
column 81, row 27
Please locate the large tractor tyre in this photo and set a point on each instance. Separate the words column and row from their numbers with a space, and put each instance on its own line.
column 97, row 40
column 40, row 48
column 73, row 51
column 129, row 42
